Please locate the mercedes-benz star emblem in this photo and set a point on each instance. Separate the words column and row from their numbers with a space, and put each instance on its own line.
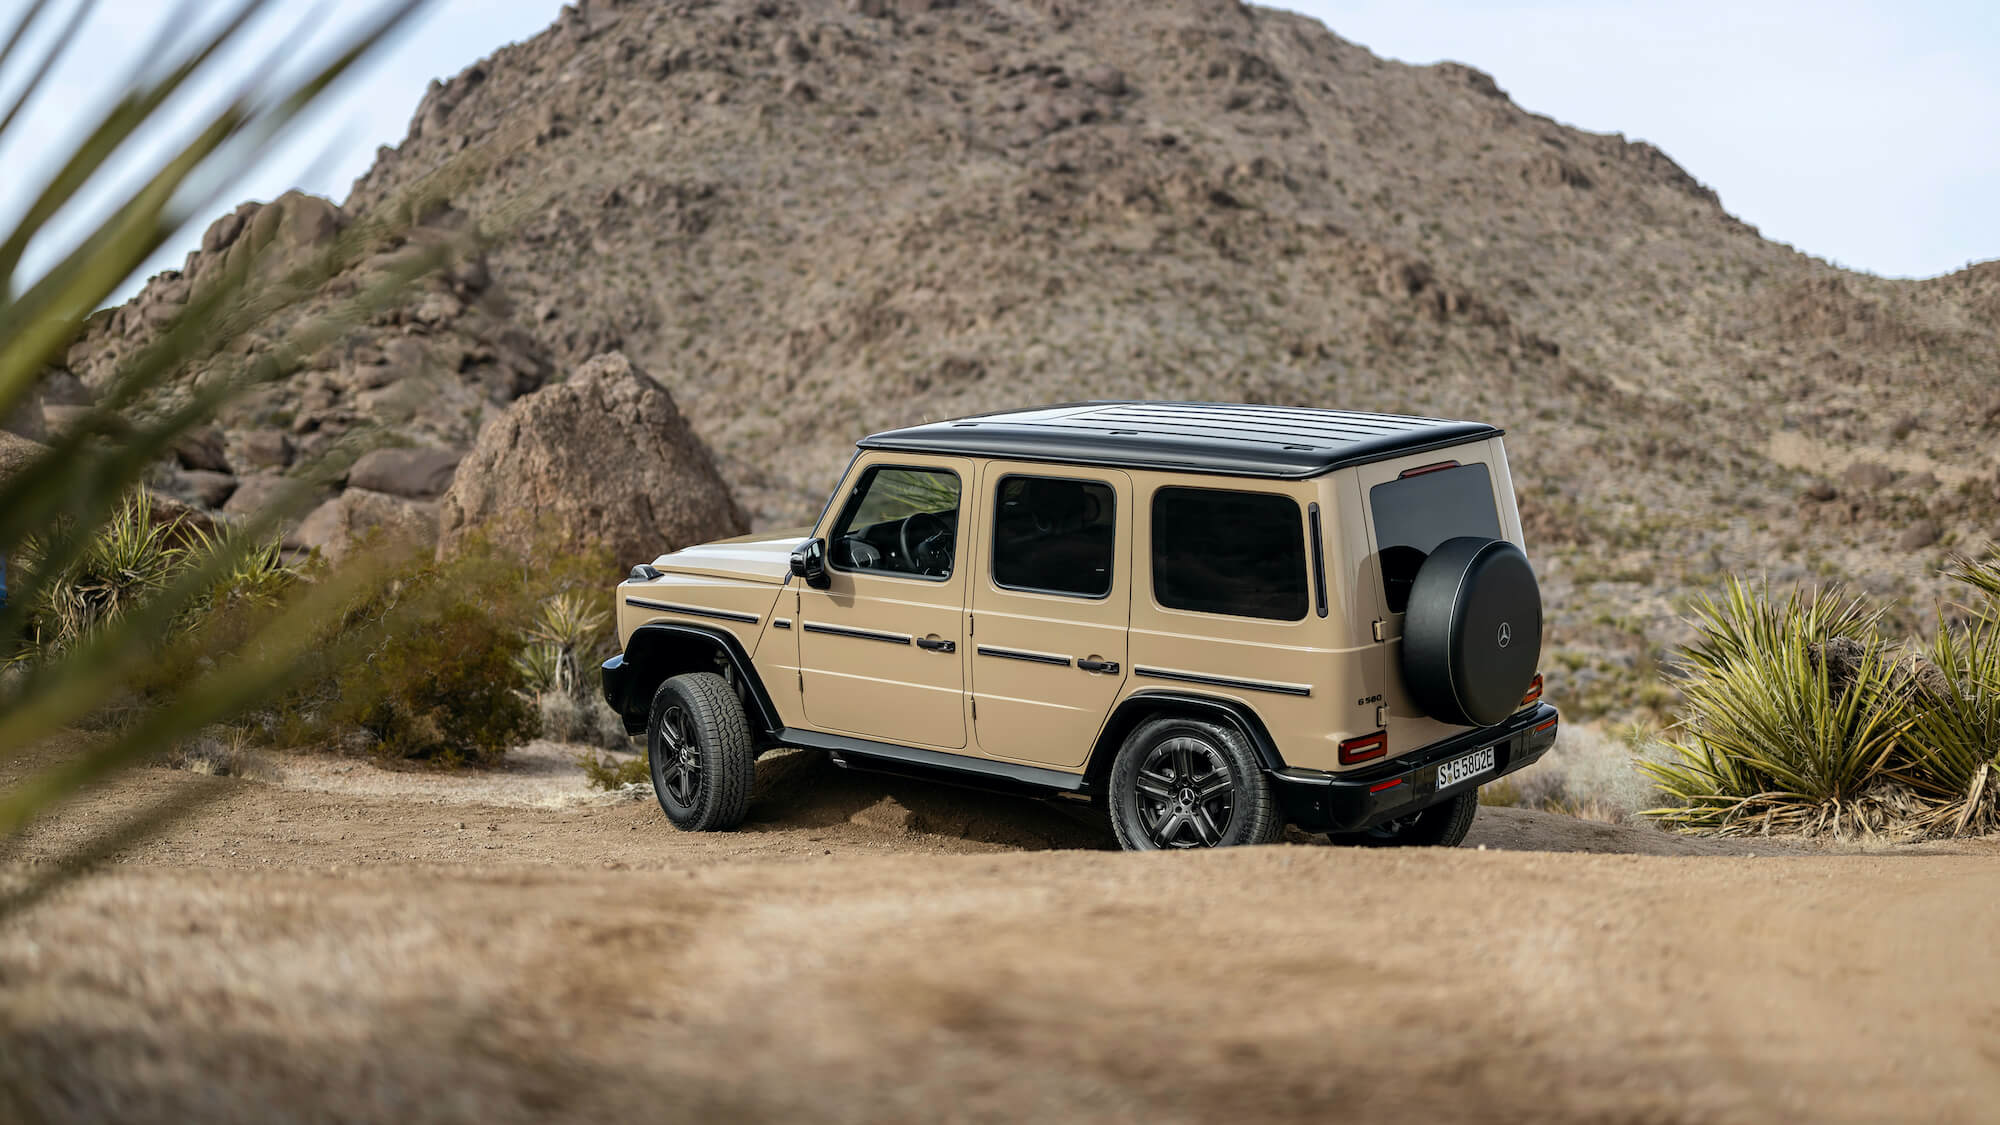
column 1506, row 634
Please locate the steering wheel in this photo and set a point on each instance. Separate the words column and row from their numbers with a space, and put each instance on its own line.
column 923, row 551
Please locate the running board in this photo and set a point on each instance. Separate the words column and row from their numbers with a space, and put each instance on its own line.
column 887, row 757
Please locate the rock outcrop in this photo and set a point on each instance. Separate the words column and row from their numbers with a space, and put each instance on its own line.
column 602, row 460
column 358, row 515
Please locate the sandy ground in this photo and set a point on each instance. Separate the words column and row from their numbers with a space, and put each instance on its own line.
column 511, row 947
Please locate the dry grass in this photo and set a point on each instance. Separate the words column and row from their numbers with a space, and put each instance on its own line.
column 1591, row 773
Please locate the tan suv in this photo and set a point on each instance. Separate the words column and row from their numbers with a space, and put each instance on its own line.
column 1210, row 619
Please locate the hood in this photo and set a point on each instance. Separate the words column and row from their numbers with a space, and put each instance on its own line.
column 765, row 556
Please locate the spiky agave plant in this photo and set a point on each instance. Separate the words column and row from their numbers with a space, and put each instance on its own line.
column 65, row 497
column 566, row 624
column 1778, row 734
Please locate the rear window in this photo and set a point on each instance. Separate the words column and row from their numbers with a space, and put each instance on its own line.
column 1415, row 514
column 1239, row 553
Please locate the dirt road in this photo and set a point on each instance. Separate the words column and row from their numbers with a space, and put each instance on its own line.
column 871, row 950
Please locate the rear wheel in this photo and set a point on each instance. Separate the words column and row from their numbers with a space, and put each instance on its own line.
column 1183, row 783
column 698, row 745
column 1443, row 825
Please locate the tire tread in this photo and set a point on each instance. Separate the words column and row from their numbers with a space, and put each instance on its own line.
column 729, row 755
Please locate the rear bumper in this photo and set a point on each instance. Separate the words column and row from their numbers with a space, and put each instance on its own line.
column 1351, row 801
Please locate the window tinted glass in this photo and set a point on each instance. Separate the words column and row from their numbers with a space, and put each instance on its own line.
column 1415, row 514
column 1240, row 553
column 899, row 521
column 1054, row 535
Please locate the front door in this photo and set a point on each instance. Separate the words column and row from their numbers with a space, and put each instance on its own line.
column 1051, row 604
column 880, row 649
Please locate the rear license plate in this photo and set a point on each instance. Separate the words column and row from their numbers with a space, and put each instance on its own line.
column 1466, row 768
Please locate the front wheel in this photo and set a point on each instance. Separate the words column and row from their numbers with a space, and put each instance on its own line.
column 1183, row 783
column 698, row 745
column 1443, row 825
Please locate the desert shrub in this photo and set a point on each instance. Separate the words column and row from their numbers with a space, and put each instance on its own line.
column 607, row 772
column 1802, row 717
column 466, row 662
column 220, row 751
column 1590, row 773
column 447, row 693
column 587, row 721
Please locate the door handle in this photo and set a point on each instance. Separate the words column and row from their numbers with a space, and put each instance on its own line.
column 1089, row 665
column 936, row 645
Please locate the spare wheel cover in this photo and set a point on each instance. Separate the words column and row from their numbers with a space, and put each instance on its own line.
column 1472, row 634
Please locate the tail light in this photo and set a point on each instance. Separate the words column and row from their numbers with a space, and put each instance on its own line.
column 1422, row 469
column 1366, row 748
column 1534, row 690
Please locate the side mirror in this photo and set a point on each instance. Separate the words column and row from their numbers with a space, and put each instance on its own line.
column 809, row 563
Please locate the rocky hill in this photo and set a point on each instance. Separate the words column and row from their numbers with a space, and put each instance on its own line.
column 812, row 220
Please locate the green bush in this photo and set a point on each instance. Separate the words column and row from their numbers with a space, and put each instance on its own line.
column 1802, row 717
column 447, row 693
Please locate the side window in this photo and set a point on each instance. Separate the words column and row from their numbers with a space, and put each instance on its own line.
column 1239, row 553
column 898, row 520
column 1054, row 536
column 1414, row 514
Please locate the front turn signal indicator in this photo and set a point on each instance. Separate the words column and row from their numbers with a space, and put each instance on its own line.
column 1367, row 748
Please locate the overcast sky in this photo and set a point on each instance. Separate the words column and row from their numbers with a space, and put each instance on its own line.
column 1863, row 131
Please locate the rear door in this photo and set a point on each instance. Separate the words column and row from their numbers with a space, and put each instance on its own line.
column 1051, row 602
column 1411, row 505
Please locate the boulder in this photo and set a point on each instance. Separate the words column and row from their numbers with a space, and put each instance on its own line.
column 26, row 419
column 200, row 487
column 203, row 449
column 60, row 388
column 602, row 460
column 16, row 453
column 337, row 525
column 416, row 474
column 1865, row 475
column 259, row 491
column 264, row 449
column 1918, row 535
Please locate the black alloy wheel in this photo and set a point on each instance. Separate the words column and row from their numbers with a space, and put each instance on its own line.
column 1183, row 783
column 677, row 762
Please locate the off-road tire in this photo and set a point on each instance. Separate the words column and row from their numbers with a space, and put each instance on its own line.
column 1194, row 755
column 699, row 709
column 1442, row 825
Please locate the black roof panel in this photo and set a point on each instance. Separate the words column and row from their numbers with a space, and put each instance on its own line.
column 1196, row 437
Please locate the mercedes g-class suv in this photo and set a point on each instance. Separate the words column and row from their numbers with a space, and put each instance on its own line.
column 1210, row 619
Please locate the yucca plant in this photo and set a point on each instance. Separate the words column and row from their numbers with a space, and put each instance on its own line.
column 1954, row 735
column 67, row 496
column 563, row 629
column 1795, row 714
column 128, row 562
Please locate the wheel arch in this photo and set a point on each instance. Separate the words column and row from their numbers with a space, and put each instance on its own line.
column 1144, row 705
column 658, row 650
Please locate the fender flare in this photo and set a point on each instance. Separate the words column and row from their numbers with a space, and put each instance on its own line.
column 660, row 649
column 1145, row 704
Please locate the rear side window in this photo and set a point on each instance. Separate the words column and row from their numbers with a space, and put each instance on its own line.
column 1239, row 553
column 1054, row 536
column 1416, row 513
